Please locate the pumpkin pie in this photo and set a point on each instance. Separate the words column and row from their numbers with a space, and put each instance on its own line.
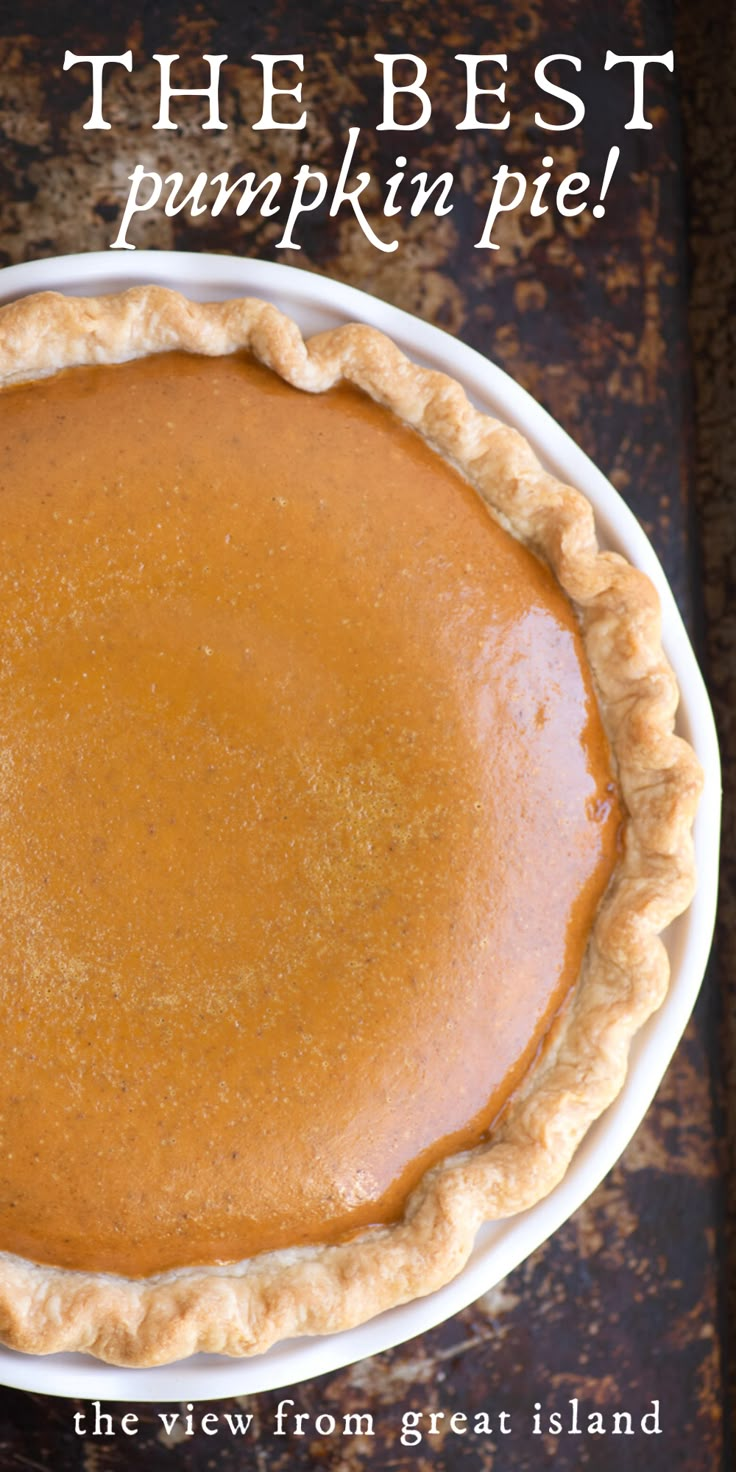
column 341, row 814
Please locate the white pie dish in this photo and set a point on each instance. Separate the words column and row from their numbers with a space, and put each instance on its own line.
column 317, row 303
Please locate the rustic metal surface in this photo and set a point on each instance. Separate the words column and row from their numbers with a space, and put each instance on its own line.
column 623, row 1306
column 709, row 107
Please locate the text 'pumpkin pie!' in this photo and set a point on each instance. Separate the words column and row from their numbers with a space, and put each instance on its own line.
column 341, row 810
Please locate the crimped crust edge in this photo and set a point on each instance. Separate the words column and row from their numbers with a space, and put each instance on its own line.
column 244, row 1308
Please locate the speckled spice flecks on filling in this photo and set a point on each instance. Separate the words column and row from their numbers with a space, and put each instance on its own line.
column 306, row 810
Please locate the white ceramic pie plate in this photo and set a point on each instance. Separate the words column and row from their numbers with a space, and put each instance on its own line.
column 317, row 303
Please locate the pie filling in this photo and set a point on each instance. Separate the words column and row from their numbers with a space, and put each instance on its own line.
column 306, row 811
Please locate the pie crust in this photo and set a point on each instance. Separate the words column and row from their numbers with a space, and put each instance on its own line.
column 243, row 1308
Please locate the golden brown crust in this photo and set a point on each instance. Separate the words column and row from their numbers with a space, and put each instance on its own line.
column 244, row 1308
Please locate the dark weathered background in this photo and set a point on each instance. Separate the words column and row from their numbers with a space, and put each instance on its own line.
column 628, row 1302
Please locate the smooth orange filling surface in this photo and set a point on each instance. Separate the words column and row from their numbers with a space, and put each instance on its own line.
column 306, row 811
